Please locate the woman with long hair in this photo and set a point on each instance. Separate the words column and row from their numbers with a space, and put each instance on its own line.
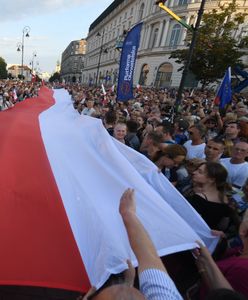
column 210, row 200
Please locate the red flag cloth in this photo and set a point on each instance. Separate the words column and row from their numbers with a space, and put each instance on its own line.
column 37, row 244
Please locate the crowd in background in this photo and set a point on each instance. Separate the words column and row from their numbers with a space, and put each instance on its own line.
column 12, row 92
column 200, row 148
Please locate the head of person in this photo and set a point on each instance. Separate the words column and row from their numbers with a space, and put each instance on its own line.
column 166, row 129
column 211, row 173
column 232, row 129
column 132, row 126
column 239, row 152
column 120, row 292
column 110, row 118
column 172, row 156
column 140, row 121
column 214, row 149
column 197, row 132
column 211, row 123
column 120, row 131
column 181, row 125
column 90, row 103
column 154, row 138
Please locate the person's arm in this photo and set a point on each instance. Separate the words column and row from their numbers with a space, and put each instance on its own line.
column 209, row 271
column 139, row 239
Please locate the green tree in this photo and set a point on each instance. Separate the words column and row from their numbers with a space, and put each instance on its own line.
column 55, row 77
column 216, row 48
column 3, row 69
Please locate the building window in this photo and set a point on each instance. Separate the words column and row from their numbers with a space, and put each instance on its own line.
column 154, row 38
column 141, row 11
column 131, row 11
column 143, row 75
column 182, row 2
column 163, row 78
column 175, row 34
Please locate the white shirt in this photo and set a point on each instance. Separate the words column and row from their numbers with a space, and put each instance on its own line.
column 237, row 173
column 88, row 111
column 194, row 151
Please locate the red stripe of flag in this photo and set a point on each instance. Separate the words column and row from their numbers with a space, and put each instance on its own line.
column 37, row 244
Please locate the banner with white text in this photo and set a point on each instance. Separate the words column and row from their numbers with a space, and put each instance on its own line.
column 127, row 63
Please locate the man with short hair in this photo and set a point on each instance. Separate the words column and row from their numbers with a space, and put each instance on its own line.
column 195, row 146
column 167, row 131
column 230, row 137
column 214, row 150
column 236, row 166
column 89, row 110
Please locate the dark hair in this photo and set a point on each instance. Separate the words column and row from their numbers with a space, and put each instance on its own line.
column 156, row 137
column 110, row 117
column 218, row 140
column 217, row 172
column 172, row 151
column 224, row 294
column 132, row 126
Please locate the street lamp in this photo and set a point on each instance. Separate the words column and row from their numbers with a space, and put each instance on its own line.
column 100, row 54
column 20, row 46
column 32, row 61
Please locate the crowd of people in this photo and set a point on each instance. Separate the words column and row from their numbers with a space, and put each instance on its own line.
column 12, row 92
column 203, row 152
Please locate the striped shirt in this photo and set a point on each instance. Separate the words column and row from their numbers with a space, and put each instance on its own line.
column 157, row 285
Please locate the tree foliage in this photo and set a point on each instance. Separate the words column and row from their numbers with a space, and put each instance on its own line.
column 55, row 77
column 3, row 69
column 216, row 48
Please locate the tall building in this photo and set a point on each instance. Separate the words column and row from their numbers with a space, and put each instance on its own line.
column 72, row 62
column 159, row 37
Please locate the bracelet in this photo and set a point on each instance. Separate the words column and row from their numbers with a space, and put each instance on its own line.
column 201, row 271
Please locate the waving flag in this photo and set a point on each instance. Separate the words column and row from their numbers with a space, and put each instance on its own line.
column 61, row 179
column 224, row 95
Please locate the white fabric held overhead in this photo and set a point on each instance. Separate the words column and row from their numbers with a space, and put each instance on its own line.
column 92, row 170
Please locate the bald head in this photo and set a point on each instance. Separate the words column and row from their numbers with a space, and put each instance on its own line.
column 120, row 292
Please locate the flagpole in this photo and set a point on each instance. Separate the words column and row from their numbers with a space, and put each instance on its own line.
column 190, row 54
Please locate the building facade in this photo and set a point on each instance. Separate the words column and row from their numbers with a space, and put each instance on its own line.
column 72, row 62
column 17, row 70
column 159, row 37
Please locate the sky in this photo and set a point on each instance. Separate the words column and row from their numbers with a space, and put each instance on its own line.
column 53, row 25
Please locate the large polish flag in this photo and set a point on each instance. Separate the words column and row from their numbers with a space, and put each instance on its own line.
column 61, row 179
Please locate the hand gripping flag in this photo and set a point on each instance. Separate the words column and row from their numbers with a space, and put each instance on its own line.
column 224, row 95
column 61, row 179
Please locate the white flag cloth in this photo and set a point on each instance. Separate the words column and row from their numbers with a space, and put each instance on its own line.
column 92, row 170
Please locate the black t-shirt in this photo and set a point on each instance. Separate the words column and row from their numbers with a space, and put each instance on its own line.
column 212, row 212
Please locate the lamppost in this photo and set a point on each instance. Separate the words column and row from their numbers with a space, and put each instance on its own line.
column 100, row 54
column 20, row 46
column 190, row 54
column 32, row 61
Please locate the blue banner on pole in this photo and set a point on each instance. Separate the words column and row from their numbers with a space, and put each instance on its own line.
column 127, row 64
